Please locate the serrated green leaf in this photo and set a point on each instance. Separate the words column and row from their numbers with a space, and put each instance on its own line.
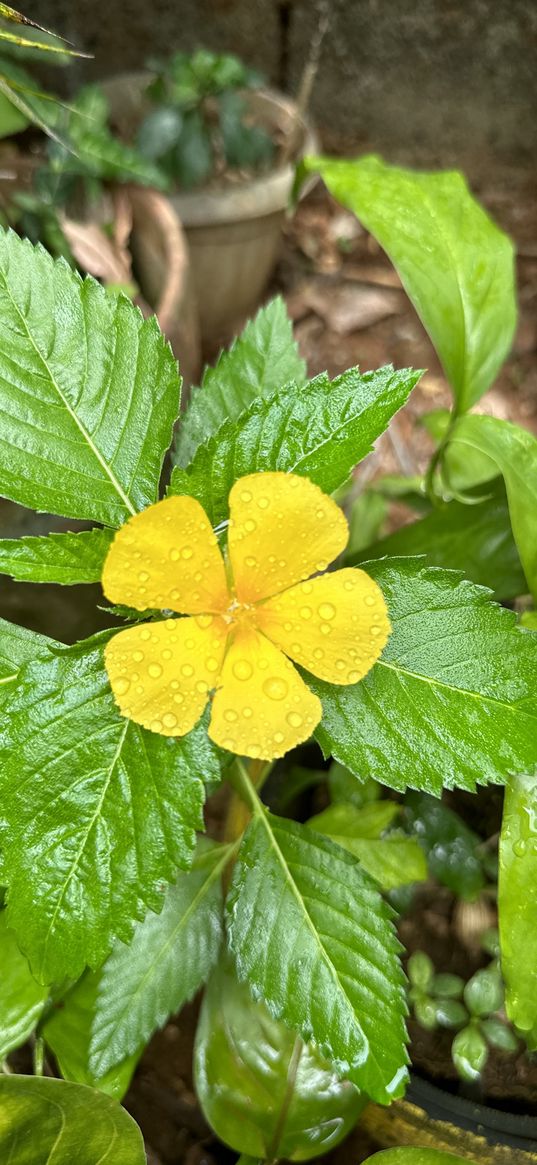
column 517, row 902
column 475, row 539
column 260, row 361
column 169, row 959
column 21, row 998
column 263, row 1090
column 347, row 820
column 455, row 264
column 391, row 861
column 293, row 891
column 320, row 431
column 19, row 646
column 453, row 700
column 56, row 558
column 514, row 452
column 88, row 392
column 68, row 1034
column 50, row 1122
column 97, row 813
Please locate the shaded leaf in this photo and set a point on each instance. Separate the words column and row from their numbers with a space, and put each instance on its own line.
column 454, row 263
column 261, row 360
column 97, row 813
column 453, row 699
column 450, row 845
column 416, row 1157
column 88, row 390
column 68, row 1035
column 514, row 452
column 391, row 861
column 475, row 539
column 21, row 998
column 263, row 1090
column 293, row 891
column 320, row 432
column 56, row 558
column 169, row 958
column 51, row 1122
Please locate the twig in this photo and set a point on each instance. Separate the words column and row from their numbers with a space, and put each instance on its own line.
column 306, row 82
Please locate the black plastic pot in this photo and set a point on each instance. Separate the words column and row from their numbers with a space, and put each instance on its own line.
column 430, row 1117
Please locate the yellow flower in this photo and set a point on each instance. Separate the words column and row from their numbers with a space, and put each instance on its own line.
column 248, row 617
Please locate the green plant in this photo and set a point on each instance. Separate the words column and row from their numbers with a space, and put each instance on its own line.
column 409, row 675
column 201, row 126
column 20, row 104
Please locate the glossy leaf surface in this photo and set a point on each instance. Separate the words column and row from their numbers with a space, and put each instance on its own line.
column 88, row 391
column 169, row 958
column 416, row 1157
column 453, row 699
column 455, row 264
column 261, row 360
column 264, row 1091
column 514, row 452
column 321, row 433
column 51, row 1122
column 56, row 558
column 391, row 861
column 313, row 937
column 97, row 813
column 518, row 904
column 475, row 539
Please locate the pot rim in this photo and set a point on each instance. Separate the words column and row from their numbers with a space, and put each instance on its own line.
column 495, row 1124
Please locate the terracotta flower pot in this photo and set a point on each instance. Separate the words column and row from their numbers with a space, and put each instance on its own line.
column 432, row 1118
column 233, row 230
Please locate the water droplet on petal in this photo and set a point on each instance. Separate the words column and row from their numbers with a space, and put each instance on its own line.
column 318, row 653
column 122, row 686
column 321, row 565
column 294, row 719
column 325, row 629
column 145, row 634
column 327, row 611
column 242, row 670
column 156, row 725
column 320, row 514
column 137, row 656
column 211, row 664
column 254, row 751
column 340, row 665
column 279, row 738
column 245, row 495
column 179, row 698
column 263, row 503
column 250, row 525
column 230, row 715
column 204, row 621
column 307, row 588
column 275, row 688
column 169, row 720
column 250, row 561
column 167, row 654
column 369, row 601
column 187, row 552
column 143, row 576
column 305, row 612
column 348, row 585
column 201, row 686
column 247, row 713
column 174, row 685
column 376, row 630
column 187, row 670
column 353, row 677
column 154, row 670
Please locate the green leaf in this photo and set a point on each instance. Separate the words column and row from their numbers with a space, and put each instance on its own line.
column 293, row 891
column 366, row 518
column 517, row 899
column 12, row 121
column 450, row 1013
column 97, row 813
column 450, row 845
column 68, row 1035
column 416, row 1157
column 514, row 451
column 453, row 699
column 263, row 1090
column 168, row 960
column 56, row 558
column 497, row 1033
column 320, row 431
column 421, row 971
column 455, row 264
column 391, row 861
column 50, row 1122
column 469, row 1052
column 484, row 991
column 261, row 360
column 88, row 392
column 19, row 646
column 21, row 998
column 475, row 539
column 95, row 150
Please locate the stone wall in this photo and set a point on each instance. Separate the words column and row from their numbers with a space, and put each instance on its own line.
column 439, row 77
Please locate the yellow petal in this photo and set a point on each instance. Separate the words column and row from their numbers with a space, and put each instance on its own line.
column 263, row 707
column 161, row 673
column 282, row 529
column 167, row 557
column 335, row 626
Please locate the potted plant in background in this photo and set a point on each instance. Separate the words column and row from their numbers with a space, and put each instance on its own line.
column 228, row 148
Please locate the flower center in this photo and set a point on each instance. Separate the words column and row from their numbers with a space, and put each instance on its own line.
column 240, row 614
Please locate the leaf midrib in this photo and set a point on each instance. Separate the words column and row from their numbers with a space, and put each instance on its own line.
column 85, row 434
column 434, row 682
